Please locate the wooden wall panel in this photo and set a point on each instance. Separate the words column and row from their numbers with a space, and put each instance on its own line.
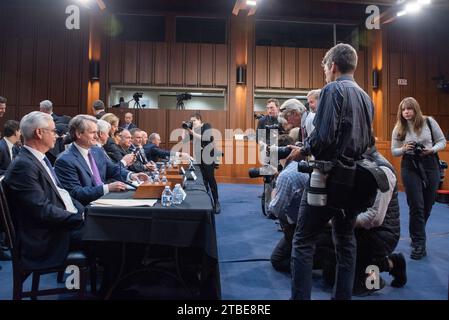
column 206, row 64
column 221, row 65
column 361, row 74
column 176, row 63
column 153, row 121
column 192, row 56
column 115, row 61
column 73, row 74
column 160, row 64
column 26, row 72
column 303, row 71
column 275, row 67
column 289, row 68
column 11, row 67
column 130, row 63
column 261, row 72
column 57, row 71
column 42, row 70
column 317, row 70
column 146, row 63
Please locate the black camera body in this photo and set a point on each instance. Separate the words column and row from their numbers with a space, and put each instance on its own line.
column 187, row 125
column 183, row 96
column 258, row 116
column 418, row 148
column 137, row 95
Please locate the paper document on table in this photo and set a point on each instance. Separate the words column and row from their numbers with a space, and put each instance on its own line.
column 124, row 202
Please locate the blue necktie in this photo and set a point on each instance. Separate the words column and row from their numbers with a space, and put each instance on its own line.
column 52, row 171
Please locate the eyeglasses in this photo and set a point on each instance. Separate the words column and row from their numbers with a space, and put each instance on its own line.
column 55, row 131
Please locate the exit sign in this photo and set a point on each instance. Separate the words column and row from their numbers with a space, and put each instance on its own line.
column 402, row 82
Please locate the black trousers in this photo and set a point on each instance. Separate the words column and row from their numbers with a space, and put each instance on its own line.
column 420, row 196
column 208, row 172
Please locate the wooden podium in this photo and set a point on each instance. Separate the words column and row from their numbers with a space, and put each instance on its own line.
column 154, row 190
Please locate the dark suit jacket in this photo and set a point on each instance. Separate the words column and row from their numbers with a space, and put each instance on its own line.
column 131, row 126
column 75, row 176
column 41, row 221
column 5, row 157
column 153, row 152
column 113, row 150
column 99, row 115
column 60, row 119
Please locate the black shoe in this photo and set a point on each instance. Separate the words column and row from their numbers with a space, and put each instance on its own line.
column 418, row 253
column 217, row 208
column 399, row 270
column 362, row 291
column 5, row 255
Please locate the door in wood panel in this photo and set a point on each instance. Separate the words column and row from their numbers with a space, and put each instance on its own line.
column 206, row 64
column 303, row 71
column 317, row 70
column 176, row 65
column 161, row 63
column 289, row 68
column 275, row 67
column 115, row 61
column 191, row 76
column 145, row 62
column 26, row 72
column 261, row 67
column 221, row 65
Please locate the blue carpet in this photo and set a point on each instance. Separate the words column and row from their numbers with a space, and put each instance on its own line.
column 246, row 240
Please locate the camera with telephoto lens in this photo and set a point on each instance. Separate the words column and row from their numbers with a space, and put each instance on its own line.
column 318, row 170
column 187, row 125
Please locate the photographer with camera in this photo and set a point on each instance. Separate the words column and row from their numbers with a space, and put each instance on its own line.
column 418, row 139
column 203, row 141
column 269, row 119
column 342, row 131
column 284, row 205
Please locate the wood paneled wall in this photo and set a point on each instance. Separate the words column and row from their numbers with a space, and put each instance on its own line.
column 418, row 55
column 166, row 64
column 41, row 59
column 296, row 68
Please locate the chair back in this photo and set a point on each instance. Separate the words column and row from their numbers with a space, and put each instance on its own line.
column 6, row 218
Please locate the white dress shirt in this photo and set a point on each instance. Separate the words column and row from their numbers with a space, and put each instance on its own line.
column 10, row 146
column 65, row 196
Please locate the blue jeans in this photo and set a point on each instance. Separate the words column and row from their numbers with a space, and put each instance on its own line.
column 311, row 221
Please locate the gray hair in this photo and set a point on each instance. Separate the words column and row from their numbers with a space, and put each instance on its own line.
column 103, row 126
column 314, row 93
column 32, row 121
column 342, row 55
column 292, row 105
column 46, row 106
column 79, row 123
column 98, row 105
column 153, row 136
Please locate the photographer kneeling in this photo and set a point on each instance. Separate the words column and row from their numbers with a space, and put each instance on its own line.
column 284, row 204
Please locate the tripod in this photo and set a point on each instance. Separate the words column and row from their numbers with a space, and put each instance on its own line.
column 180, row 105
column 137, row 104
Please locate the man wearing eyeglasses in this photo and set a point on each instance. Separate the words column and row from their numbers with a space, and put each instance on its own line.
column 47, row 219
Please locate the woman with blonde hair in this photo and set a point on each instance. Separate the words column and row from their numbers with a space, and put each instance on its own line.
column 417, row 139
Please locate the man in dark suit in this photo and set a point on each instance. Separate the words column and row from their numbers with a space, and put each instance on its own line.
column 154, row 153
column 128, row 125
column 84, row 168
column 2, row 106
column 8, row 145
column 98, row 108
column 46, row 218
column 47, row 107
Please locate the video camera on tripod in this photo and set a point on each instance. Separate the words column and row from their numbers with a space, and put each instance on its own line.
column 181, row 98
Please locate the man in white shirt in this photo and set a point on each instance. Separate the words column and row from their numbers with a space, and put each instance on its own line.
column 47, row 219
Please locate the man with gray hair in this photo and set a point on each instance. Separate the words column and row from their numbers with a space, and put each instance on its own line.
column 342, row 132
column 291, row 113
column 84, row 168
column 47, row 219
column 98, row 108
column 47, row 107
column 307, row 118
